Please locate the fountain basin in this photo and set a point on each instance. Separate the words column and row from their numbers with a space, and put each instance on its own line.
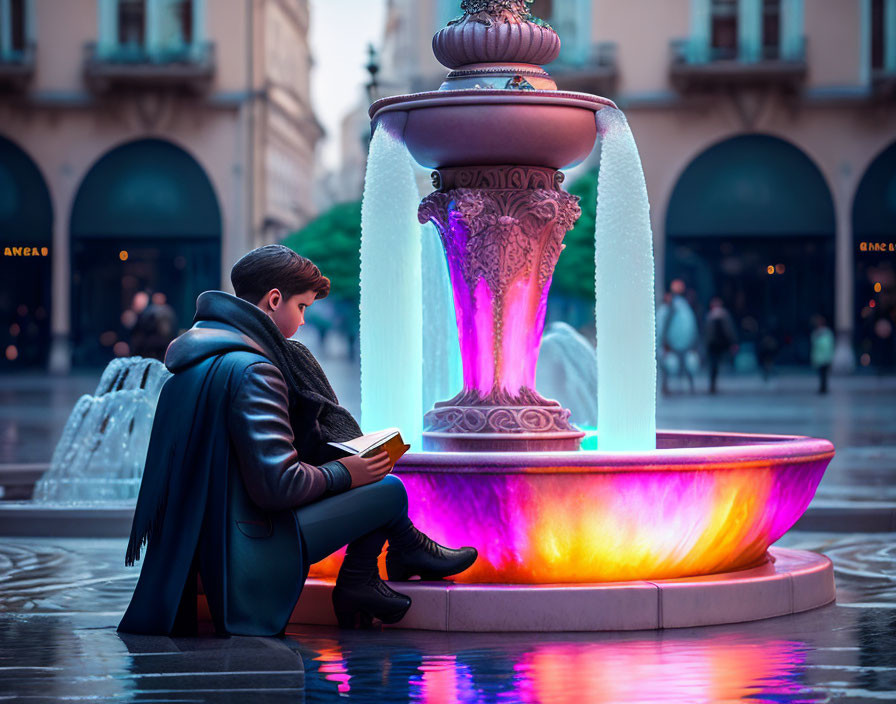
column 702, row 503
column 548, row 128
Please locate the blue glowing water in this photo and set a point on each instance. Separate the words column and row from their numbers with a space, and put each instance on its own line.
column 410, row 356
column 391, row 301
column 442, row 367
column 624, row 294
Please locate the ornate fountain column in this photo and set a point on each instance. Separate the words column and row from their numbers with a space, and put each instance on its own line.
column 497, row 132
column 502, row 228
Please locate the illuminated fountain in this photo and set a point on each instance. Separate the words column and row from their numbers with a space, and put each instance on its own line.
column 501, row 467
column 91, row 485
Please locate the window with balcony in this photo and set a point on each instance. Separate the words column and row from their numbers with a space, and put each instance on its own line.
column 154, row 29
column 16, row 43
column 748, row 42
column 723, row 29
column 151, row 42
column 13, row 40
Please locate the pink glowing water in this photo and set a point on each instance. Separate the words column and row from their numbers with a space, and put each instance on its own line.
column 701, row 504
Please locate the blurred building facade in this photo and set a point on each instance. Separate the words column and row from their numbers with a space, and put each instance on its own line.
column 767, row 131
column 144, row 144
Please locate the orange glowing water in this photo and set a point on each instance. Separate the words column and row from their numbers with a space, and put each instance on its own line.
column 560, row 526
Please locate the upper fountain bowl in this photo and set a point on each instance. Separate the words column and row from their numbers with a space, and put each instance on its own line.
column 497, row 106
column 476, row 127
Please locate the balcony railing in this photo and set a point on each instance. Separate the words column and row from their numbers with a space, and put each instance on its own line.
column 17, row 68
column 597, row 74
column 693, row 66
column 190, row 66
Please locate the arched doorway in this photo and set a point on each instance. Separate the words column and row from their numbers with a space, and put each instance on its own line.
column 751, row 220
column 26, row 271
column 874, row 230
column 145, row 218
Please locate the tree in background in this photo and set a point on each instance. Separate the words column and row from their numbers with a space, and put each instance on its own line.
column 572, row 289
column 333, row 242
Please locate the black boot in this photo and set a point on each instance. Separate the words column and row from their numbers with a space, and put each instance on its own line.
column 411, row 553
column 360, row 595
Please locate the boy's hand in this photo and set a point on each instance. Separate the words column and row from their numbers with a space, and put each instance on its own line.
column 367, row 470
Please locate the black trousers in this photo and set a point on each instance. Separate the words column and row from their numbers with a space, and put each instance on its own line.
column 362, row 518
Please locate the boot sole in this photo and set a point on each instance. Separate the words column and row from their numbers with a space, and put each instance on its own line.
column 363, row 619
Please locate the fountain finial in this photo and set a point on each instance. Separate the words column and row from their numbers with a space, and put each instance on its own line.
column 512, row 11
column 488, row 44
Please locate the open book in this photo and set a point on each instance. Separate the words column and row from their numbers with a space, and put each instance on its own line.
column 389, row 440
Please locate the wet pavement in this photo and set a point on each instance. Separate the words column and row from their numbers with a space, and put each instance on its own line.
column 61, row 599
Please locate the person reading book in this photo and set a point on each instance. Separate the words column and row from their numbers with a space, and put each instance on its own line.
column 242, row 489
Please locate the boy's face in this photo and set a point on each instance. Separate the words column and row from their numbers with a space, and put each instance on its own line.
column 288, row 315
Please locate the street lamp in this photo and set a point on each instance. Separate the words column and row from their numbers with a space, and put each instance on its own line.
column 373, row 68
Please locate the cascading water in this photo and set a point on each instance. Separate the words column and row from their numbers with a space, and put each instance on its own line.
column 442, row 369
column 391, row 244
column 624, row 294
column 391, row 305
column 101, row 453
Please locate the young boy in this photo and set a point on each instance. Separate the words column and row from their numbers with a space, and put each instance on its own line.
column 240, row 487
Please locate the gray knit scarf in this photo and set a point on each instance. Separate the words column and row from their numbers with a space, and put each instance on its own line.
column 306, row 380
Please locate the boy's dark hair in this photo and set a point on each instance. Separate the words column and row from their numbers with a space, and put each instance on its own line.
column 276, row 266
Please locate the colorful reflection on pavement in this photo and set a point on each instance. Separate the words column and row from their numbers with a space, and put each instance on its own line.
column 724, row 668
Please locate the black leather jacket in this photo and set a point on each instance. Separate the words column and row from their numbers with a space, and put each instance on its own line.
column 259, row 423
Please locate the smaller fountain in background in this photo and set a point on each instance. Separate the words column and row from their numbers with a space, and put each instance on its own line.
column 567, row 372
column 101, row 453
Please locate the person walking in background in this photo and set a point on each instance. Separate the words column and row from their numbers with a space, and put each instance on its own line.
column 677, row 335
column 822, row 352
column 768, row 351
column 720, row 338
column 155, row 328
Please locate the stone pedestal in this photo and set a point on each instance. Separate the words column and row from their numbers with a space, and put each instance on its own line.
column 502, row 228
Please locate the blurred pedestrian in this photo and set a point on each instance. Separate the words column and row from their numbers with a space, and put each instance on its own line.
column 677, row 336
column 720, row 338
column 767, row 353
column 155, row 328
column 822, row 352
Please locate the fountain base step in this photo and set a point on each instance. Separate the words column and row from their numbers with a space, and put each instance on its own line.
column 793, row 581
column 27, row 519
